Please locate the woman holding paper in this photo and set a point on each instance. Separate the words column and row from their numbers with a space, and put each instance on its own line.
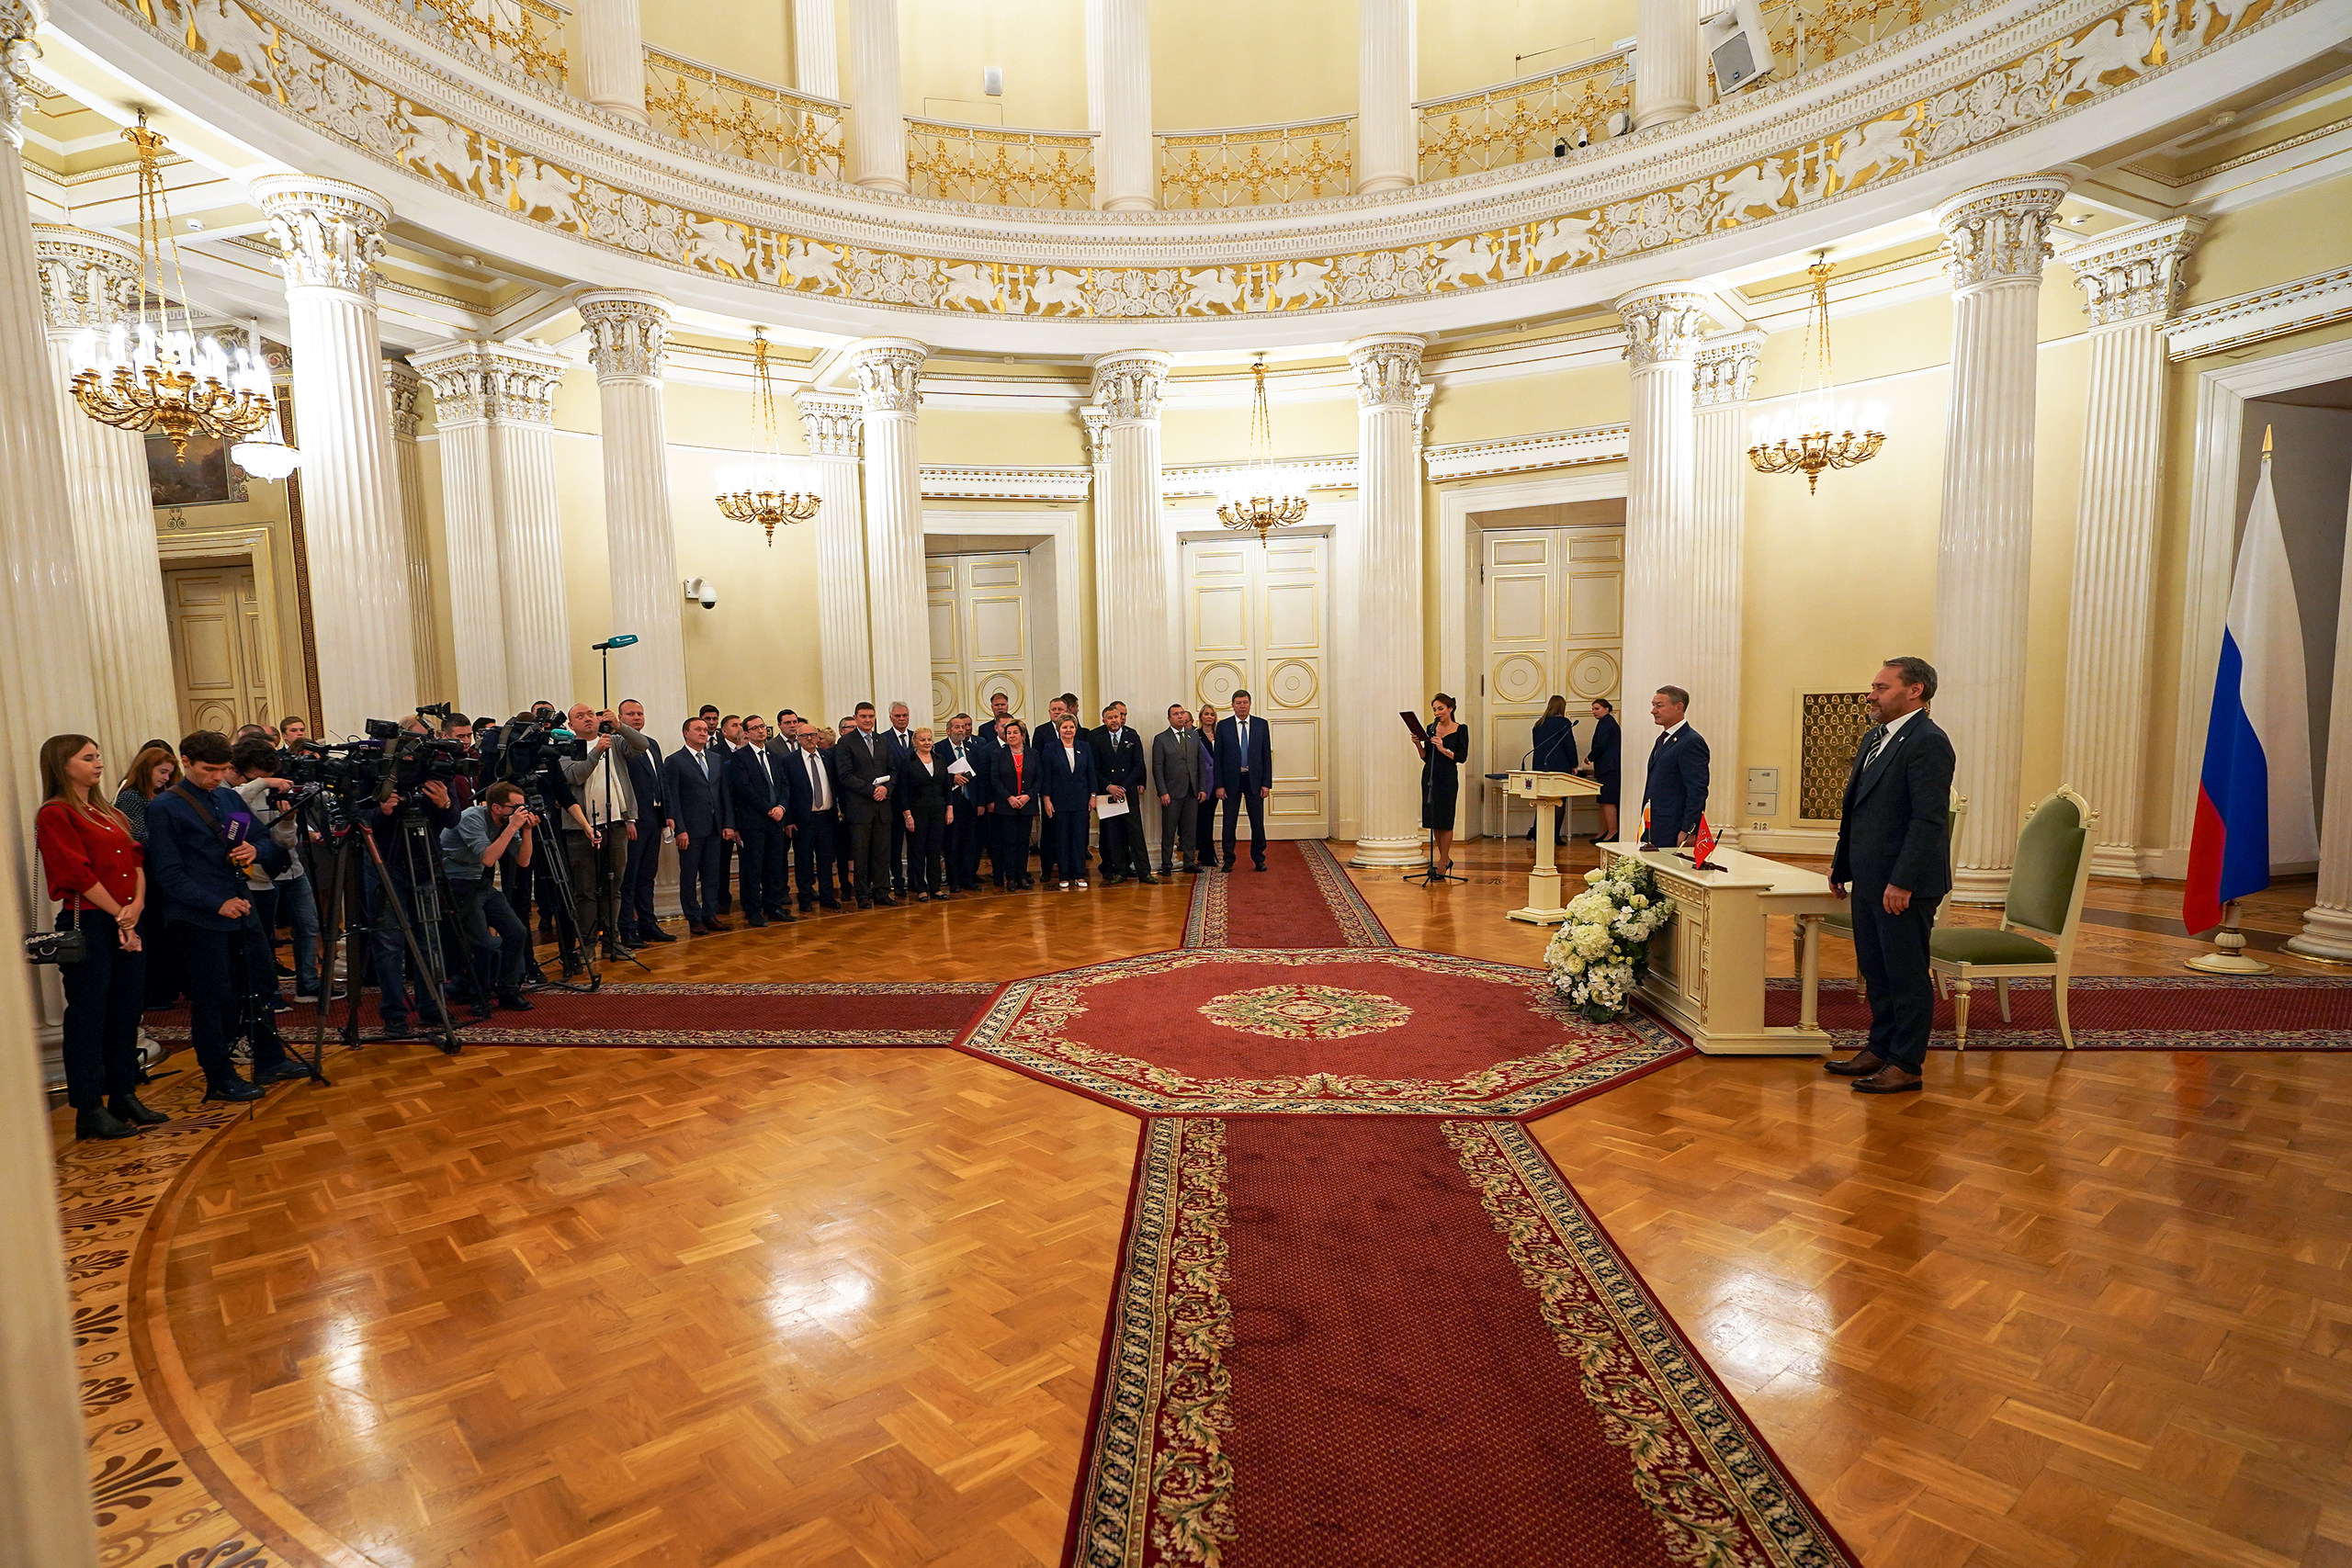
column 926, row 807
column 1013, row 793
column 1444, row 746
column 1067, row 780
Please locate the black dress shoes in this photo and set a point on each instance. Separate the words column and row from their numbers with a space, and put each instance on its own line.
column 1890, row 1079
column 1861, row 1065
column 695, row 927
column 233, row 1087
column 885, row 902
column 755, row 921
column 287, row 1071
column 131, row 1109
column 99, row 1122
column 515, row 1001
column 653, row 934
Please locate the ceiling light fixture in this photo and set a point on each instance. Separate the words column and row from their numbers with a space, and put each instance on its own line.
column 1259, row 501
column 1817, row 433
column 755, row 492
column 148, row 376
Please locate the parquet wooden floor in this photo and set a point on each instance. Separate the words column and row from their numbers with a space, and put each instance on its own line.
column 843, row 1307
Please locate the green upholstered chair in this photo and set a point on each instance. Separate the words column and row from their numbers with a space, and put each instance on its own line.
column 2045, row 909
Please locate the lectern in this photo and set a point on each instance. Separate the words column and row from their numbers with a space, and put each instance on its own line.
column 1551, row 793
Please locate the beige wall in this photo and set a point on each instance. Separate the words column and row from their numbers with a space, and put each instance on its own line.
column 1468, row 44
column 1040, row 44
column 1224, row 63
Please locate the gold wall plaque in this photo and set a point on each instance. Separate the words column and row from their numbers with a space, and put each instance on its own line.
column 1830, row 726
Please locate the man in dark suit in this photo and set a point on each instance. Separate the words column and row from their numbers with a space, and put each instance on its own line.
column 1120, row 773
column 693, row 788
column 1000, row 710
column 763, row 816
column 966, row 796
column 1245, row 774
column 1676, row 793
column 1894, row 853
column 898, row 747
column 862, row 759
column 783, row 744
column 1048, row 733
column 639, row 923
column 816, row 811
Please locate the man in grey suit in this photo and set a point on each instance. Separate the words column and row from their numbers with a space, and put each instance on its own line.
column 1177, row 763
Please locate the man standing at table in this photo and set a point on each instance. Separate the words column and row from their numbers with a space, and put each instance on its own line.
column 1245, row 772
column 1894, row 853
column 1676, row 793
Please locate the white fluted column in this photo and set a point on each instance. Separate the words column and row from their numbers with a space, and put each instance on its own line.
column 1387, row 143
column 91, row 281
column 45, row 689
column 834, row 426
column 403, row 389
column 1131, row 588
column 877, row 124
column 329, row 235
column 1667, row 72
column 2328, row 924
column 612, row 56
column 469, row 530
column 628, row 334
column 1384, row 675
column 1118, row 45
column 1663, row 325
column 1995, row 237
column 1721, row 377
column 2130, row 280
column 520, row 388
column 816, row 51
column 898, row 607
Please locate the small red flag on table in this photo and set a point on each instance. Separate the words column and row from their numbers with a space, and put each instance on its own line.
column 1704, row 846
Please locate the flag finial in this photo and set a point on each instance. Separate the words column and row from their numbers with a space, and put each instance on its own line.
column 2265, row 441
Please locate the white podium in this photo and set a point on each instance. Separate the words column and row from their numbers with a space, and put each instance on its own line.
column 1707, row 967
column 1551, row 793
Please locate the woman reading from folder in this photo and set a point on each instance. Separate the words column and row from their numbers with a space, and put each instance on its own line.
column 1443, row 748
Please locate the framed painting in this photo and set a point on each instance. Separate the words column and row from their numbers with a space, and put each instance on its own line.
column 201, row 478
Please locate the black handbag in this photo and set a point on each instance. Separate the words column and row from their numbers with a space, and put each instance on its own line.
column 66, row 944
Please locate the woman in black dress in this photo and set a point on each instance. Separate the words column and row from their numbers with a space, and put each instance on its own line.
column 1600, row 761
column 1555, row 752
column 924, row 806
column 1441, row 774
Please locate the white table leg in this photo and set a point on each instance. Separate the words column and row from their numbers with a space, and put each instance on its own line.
column 1809, row 972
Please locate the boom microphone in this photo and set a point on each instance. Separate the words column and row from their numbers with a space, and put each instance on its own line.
column 622, row 639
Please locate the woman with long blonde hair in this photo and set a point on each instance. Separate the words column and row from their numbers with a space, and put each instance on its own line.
column 96, row 871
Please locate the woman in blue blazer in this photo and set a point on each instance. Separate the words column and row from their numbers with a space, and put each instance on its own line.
column 1065, row 774
column 1013, row 803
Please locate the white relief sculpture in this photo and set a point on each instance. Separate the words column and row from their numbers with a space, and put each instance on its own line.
column 1879, row 149
column 723, row 246
column 1304, row 281
column 2122, row 42
column 967, row 285
column 436, row 146
column 536, row 187
column 229, row 28
column 1755, row 191
column 812, row 265
column 1214, row 290
column 1469, row 260
column 1052, row 290
column 1559, row 239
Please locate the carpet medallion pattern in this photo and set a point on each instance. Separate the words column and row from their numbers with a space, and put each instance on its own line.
column 1305, row 1012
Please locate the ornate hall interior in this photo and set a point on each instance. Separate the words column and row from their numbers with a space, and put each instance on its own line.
column 1299, row 362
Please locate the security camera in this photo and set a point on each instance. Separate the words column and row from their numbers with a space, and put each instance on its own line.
column 701, row 591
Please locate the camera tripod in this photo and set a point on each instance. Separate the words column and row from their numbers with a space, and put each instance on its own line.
column 343, row 887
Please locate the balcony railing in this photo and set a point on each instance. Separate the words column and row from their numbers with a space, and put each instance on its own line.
column 1517, row 121
column 1258, row 166
column 524, row 34
column 1806, row 33
column 767, row 124
column 999, row 167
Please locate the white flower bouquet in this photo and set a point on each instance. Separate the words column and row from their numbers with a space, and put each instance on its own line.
column 1601, row 953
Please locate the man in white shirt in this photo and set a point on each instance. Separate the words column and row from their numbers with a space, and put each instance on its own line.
column 898, row 747
column 597, row 831
column 964, row 831
column 815, row 809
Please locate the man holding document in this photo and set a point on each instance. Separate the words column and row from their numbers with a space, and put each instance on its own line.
column 1120, row 777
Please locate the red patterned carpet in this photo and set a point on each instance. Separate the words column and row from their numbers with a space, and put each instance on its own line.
column 1303, row 898
column 2186, row 1012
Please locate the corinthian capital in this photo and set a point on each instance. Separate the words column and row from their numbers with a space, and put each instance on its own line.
column 519, row 381
column 1662, row 324
column 887, row 370
column 404, row 388
column 19, row 20
column 456, row 373
column 2000, row 233
column 628, row 331
column 1096, row 425
column 87, row 280
column 834, row 424
column 1389, row 371
column 1127, row 385
column 2134, row 272
column 329, row 234
column 1724, row 368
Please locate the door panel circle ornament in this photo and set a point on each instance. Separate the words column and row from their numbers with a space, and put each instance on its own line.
column 1015, row 694
column 1306, row 1013
column 1592, row 673
column 1292, row 685
column 1217, row 683
column 942, row 699
column 1519, row 679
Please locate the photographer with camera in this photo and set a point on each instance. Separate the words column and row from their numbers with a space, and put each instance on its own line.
column 496, row 832
column 598, row 828
column 254, row 764
column 196, row 865
column 429, row 807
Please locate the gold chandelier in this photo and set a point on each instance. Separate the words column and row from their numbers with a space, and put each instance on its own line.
column 755, row 492
column 1258, row 503
column 1818, row 436
column 150, row 376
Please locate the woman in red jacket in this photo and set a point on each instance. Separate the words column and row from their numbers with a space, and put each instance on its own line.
column 97, row 870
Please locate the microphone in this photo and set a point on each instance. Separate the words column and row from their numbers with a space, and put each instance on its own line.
column 619, row 639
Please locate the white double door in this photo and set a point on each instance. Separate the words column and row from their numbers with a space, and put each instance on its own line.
column 1552, row 602
column 980, row 638
column 1257, row 618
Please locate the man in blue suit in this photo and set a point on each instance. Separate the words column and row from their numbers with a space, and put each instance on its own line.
column 763, row 802
column 1244, row 775
column 1676, row 793
column 639, row 923
column 696, row 799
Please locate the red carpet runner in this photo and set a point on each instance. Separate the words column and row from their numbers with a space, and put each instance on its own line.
column 1346, row 1332
column 2276, row 1012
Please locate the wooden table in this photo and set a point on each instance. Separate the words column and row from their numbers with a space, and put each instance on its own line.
column 1551, row 793
column 1707, row 967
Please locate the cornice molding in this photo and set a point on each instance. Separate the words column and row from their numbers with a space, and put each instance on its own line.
column 1522, row 454
column 2137, row 273
column 946, row 482
column 1307, row 473
column 2314, row 300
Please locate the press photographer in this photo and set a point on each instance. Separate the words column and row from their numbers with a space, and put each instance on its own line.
column 255, row 765
column 600, row 823
column 496, row 832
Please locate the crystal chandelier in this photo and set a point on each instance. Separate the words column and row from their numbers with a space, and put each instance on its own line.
column 755, row 492
column 151, row 377
column 1257, row 502
column 1817, row 433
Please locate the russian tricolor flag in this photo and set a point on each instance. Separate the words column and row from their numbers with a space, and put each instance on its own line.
column 2253, row 793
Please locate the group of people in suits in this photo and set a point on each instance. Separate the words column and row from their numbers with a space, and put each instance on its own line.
column 815, row 817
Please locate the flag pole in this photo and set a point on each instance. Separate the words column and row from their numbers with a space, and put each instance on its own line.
column 2227, row 956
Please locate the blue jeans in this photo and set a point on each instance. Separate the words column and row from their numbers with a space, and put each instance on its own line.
column 301, row 911
column 388, row 954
